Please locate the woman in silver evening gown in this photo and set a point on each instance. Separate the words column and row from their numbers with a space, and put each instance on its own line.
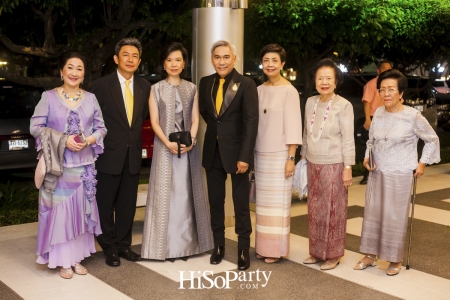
column 177, row 216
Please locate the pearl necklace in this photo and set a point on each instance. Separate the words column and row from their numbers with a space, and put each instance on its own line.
column 71, row 98
column 313, row 118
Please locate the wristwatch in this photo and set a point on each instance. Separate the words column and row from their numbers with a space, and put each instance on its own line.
column 194, row 141
column 87, row 143
column 291, row 158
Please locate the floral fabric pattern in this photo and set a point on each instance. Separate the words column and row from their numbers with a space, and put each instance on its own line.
column 394, row 137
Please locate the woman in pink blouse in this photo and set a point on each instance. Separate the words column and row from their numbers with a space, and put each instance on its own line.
column 279, row 134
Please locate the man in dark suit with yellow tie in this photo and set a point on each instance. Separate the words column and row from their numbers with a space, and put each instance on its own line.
column 229, row 105
column 123, row 99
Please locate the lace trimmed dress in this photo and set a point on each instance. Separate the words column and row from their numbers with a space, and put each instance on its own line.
column 394, row 137
column 68, row 218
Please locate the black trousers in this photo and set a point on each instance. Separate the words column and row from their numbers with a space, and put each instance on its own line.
column 116, row 200
column 216, row 177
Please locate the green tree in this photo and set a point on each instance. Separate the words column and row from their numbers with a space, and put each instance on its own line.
column 34, row 33
column 420, row 37
column 312, row 30
column 409, row 32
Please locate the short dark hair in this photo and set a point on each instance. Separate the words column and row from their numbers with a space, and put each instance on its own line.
column 166, row 52
column 383, row 61
column 402, row 81
column 327, row 62
column 128, row 41
column 273, row 48
column 71, row 54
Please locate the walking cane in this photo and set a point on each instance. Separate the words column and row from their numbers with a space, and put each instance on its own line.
column 412, row 219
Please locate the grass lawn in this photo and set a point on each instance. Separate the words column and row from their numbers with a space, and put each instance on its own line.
column 18, row 204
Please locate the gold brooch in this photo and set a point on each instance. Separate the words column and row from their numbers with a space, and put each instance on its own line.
column 234, row 88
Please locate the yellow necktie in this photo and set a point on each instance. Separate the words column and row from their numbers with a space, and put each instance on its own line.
column 129, row 102
column 219, row 97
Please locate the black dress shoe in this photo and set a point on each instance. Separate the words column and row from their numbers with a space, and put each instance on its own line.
column 128, row 254
column 171, row 259
column 217, row 255
column 243, row 260
column 184, row 258
column 112, row 260
column 365, row 177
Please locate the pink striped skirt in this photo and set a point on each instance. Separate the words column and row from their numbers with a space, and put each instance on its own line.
column 273, row 204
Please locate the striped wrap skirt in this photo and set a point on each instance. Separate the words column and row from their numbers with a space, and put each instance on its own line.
column 273, row 204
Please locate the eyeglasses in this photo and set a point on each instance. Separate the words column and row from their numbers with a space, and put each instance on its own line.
column 389, row 91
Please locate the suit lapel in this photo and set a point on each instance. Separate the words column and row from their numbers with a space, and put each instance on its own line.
column 137, row 97
column 116, row 94
column 232, row 89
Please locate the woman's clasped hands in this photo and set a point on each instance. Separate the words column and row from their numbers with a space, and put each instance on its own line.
column 72, row 145
column 173, row 147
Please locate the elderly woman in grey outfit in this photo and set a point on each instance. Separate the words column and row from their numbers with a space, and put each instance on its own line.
column 393, row 137
column 177, row 221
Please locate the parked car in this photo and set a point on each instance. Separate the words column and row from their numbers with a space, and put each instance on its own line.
column 441, row 86
column 419, row 95
column 443, row 110
column 148, row 136
column 17, row 146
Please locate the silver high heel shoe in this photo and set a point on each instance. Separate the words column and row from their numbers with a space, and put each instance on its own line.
column 361, row 266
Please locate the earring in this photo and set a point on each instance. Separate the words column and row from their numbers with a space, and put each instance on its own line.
column 82, row 81
column 62, row 78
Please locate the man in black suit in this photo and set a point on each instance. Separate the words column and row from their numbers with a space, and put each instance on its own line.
column 229, row 105
column 123, row 99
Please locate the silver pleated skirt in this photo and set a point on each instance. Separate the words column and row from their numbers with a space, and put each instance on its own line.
column 182, row 239
column 386, row 212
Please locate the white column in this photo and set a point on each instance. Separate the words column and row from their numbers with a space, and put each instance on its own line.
column 211, row 24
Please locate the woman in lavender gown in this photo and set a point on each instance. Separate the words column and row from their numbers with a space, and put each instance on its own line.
column 68, row 215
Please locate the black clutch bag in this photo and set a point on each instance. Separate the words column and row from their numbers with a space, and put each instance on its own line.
column 181, row 137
